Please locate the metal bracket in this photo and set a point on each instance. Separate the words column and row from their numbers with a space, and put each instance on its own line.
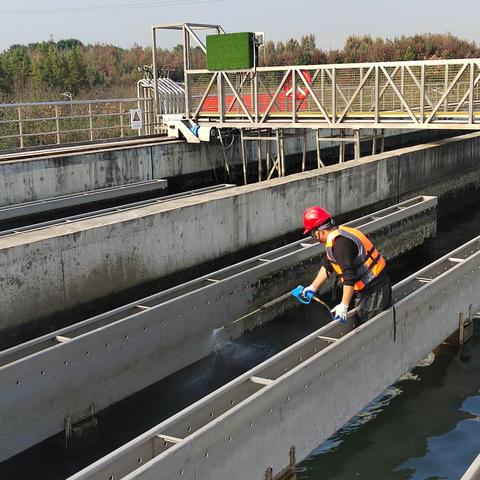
column 262, row 381
column 327, row 339
column 169, row 439
column 288, row 473
column 70, row 422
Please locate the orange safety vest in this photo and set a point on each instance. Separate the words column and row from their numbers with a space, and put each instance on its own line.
column 369, row 262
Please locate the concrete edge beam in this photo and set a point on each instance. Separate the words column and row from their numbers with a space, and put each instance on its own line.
column 77, row 199
column 151, row 157
column 115, row 209
column 473, row 472
column 245, row 190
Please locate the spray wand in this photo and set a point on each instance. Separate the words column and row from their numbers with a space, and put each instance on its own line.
column 296, row 292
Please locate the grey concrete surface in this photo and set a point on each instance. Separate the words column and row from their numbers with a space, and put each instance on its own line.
column 60, row 267
column 26, row 180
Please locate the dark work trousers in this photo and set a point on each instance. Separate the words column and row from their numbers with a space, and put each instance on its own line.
column 373, row 300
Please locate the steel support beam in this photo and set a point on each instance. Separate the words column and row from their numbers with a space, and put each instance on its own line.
column 308, row 391
column 109, row 357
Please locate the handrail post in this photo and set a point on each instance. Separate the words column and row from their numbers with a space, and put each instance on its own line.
column 90, row 121
column 186, row 67
column 154, row 67
column 422, row 93
column 294, row 95
column 122, row 133
column 322, row 87
column 471, row 89
column 57, row 123
column 376, row 95
column 334, row 95
column 402, row 86
column 445, row 86
column 221, row 97
column 20, row 126
column 255, row 87
column 361, row 91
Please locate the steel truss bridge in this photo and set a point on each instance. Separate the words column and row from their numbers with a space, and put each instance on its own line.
column 263, row 102
column 437, row 94
column 441, row 94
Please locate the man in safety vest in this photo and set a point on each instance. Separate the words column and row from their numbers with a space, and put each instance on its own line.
column 351, row 255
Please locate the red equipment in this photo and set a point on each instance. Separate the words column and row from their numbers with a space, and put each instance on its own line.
column 314, row 217
column 302, row 91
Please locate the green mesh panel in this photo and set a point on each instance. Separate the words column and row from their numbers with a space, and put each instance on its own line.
column 230, row 51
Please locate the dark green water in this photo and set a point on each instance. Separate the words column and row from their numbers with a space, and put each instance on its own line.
column 426, row 426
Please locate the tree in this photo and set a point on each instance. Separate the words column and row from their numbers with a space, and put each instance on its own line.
column 17, row 65
column 6, row 87
column 358, row 49
column 68, row 44
column 42, row 70
column 76, row 71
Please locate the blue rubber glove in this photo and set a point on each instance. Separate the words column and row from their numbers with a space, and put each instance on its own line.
column 304, row 294
column 309, row 291
column 340, row 312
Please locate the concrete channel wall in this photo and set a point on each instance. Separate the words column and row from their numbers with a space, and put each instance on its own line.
column 34, row 179
column 57, row 268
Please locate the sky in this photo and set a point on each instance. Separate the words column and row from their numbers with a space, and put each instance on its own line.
column 126, row 22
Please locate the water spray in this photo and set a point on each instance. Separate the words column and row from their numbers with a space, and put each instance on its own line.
column 296, row 293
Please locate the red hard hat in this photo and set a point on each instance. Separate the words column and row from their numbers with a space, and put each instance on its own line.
column 314, row 217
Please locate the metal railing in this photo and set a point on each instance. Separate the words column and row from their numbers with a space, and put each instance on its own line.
column 420, row 94
column 52, row 123
column 170, row 99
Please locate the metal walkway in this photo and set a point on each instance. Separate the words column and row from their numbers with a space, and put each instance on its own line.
column 423, row 94
column 63, row 377
column 274, row 415
column 47, row 205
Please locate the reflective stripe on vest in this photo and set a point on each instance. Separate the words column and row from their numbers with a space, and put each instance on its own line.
column 369, row 263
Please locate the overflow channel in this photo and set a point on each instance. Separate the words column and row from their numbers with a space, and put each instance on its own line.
column 249, row 427
column 46, row 205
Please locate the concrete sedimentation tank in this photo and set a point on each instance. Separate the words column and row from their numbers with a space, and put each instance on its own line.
column 99, row 305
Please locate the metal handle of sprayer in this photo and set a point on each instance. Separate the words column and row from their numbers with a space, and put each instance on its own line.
column 307, row 298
